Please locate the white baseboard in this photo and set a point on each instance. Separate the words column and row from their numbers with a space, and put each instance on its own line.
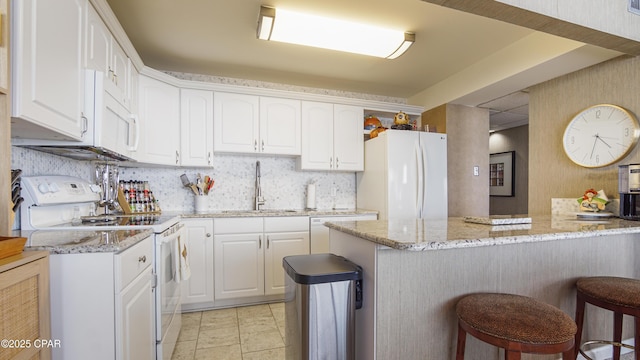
column 602, row 352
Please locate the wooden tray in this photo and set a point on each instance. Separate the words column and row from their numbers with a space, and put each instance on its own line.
column 10, row 246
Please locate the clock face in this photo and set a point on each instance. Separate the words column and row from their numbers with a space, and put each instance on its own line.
column 600, row 135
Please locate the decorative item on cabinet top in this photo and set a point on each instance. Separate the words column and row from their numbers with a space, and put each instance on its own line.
column 136, row 197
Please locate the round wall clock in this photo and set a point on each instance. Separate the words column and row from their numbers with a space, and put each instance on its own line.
column 600, row 135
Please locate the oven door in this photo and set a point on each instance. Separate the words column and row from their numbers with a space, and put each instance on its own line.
column 168, row 305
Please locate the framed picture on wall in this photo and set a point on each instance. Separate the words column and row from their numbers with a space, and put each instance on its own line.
column 501, row 173
column 634, row 6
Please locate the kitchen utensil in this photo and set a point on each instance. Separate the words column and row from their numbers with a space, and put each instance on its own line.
column 17, row 203
column 187, row 183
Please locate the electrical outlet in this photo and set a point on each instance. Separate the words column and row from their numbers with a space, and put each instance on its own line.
column 476, row 170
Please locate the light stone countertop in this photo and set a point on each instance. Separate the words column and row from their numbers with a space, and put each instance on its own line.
column 276, row 212
column 453, row 233
column 83, row 241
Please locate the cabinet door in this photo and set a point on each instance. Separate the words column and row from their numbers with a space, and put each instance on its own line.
column 279, row 126
column 199, row 287
column 348, row 138
column 135, row 325
column 279, row 245
column 317, row 136
column 239, row 266
column 235, row 123
column 159, row 108
column 98, row 48
column 196, row 127
column 120, row 72
column 48, row 73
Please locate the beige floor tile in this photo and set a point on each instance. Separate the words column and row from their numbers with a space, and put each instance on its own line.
column 271, row 354
column 184, row 350
column 189, row 332
column 257, row 324
column 218, row 337
column 219, row 318
column 191, row 319
column 254, row 311
column 230, row 352
column 261, row 341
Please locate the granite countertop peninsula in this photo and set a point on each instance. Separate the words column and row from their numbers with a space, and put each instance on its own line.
column 276, row 212
column 452, row 233
column 84, row 241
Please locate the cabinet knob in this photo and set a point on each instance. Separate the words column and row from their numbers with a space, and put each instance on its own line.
column 142, row 259
column 208, row 234
column 255, row 145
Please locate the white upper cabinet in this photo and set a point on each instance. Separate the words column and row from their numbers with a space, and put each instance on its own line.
column 279, row 126
column 332, row 137
column 348, row 138
column 159, row 108
column 47, row 68
column 104, row 54
column 253, row 124
column 235, row 122
column 196, row 127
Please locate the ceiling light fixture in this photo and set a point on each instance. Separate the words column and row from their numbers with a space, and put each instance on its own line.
column 312, row 30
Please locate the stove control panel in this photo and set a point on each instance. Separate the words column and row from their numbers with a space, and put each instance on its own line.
column 58, row 189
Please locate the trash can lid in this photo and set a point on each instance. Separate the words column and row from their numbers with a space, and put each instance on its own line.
column 320, row 268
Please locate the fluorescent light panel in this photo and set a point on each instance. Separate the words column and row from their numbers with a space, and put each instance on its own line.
column 317, row 31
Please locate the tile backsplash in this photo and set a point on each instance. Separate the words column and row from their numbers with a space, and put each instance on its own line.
column 283, row 187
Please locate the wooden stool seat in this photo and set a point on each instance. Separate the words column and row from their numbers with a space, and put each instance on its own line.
column 617, row 294
column 518, row 324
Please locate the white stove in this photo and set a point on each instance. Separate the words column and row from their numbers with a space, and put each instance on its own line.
column 63, row 210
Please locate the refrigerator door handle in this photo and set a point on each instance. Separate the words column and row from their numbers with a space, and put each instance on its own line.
column 420, row 168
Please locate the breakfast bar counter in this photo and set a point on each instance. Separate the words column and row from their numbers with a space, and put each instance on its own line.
column 415, row 271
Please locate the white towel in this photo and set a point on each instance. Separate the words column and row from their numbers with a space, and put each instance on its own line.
column 184, row 268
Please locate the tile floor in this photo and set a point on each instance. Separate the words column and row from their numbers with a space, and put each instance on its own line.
column 243, row 333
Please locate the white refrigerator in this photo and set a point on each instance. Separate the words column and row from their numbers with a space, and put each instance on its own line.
column 405, row 175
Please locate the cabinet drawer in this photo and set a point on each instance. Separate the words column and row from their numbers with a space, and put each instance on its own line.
column 237, row 225
column 132, row 262
column 286, row 223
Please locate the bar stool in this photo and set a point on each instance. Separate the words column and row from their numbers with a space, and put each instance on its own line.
column 620, row 295
column 518, row 324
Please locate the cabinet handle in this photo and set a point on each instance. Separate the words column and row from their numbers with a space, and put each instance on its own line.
column 260, row 242
column 209, row 158
column 262, row 145
column 268, row 242
column 255, row 145
column 142, row 259
column 208, row 234
column 337, row 162
column 85, row 124
column 177, row 157
column 115, row 78
column 331, row 163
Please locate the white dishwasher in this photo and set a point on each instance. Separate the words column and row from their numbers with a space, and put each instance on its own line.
column 320, row 234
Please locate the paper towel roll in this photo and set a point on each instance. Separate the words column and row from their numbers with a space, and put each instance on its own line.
column 311, row 196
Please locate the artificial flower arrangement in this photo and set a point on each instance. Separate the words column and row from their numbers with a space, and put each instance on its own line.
column 593, row 200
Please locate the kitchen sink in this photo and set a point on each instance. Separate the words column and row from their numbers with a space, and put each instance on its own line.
column 263, row 211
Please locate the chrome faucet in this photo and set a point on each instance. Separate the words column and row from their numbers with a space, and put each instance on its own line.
column 259, row 200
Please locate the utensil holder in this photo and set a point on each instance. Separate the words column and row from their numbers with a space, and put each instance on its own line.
column 202, row 204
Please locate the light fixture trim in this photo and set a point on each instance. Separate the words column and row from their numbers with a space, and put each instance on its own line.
column 328, row 33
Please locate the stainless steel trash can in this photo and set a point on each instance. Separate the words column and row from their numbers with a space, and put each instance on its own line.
column 321, row 296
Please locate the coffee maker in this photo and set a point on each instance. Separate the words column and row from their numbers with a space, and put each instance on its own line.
column 629, row 189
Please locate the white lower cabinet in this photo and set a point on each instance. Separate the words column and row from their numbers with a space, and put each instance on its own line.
column 199, row 288
column 248, row 254
column 102, row 304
